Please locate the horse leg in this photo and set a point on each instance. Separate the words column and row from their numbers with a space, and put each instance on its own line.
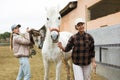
column 67, row 70
column 46, row 69
column 71, row 69
column 58, row 70
column 67, row 67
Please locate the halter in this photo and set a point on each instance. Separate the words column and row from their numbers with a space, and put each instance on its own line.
column 57, row 30
column 54, row 29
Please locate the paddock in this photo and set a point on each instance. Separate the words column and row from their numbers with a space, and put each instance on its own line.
column 9, row 67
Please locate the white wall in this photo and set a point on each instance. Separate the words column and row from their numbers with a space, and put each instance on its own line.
column 110, row 55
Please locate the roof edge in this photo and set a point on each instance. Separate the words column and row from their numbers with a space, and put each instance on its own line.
column 68, row 8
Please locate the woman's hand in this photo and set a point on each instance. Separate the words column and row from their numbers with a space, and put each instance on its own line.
column 29, row 30
column 94, row 65
column 59, row 44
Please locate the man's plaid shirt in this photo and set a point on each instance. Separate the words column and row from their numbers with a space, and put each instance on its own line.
column 83, row 48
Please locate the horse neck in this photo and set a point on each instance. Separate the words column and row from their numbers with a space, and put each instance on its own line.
column 48, row 39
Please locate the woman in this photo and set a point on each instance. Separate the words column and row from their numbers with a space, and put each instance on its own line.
column 20, row 45
column 83, row 53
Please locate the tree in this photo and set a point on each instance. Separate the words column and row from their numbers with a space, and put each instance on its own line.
column 7, row 35
column 4, row 36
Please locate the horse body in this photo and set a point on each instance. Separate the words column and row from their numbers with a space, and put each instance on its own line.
column 51, row 52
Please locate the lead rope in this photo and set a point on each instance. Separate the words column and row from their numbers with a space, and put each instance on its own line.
column 66, row 65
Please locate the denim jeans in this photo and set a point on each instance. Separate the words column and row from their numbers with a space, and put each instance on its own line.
column 24, row 69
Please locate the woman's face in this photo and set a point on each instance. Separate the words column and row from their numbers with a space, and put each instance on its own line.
column 80, row 27
column 16, row 30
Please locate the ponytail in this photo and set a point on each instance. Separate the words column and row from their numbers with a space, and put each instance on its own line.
column 11, row 41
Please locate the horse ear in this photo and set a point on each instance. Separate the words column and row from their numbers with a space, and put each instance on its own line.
column 43, row 29
column 46, row 9
column 58, row 8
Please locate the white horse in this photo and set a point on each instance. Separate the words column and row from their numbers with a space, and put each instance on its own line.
column 50, row 49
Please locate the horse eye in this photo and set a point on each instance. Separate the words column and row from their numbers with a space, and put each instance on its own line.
column 47, row 18
column 59, row 18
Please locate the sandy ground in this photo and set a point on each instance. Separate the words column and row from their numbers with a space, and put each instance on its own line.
column 9, row 67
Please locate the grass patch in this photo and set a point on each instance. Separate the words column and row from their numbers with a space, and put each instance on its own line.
column 9, row 67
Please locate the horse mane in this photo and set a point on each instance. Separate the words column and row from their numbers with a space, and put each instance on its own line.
column 31, row 40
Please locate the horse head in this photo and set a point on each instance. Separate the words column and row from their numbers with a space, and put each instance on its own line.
column 53, row 23
column 38, row 36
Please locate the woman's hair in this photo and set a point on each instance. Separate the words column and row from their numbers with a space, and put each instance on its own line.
column 76, row 27
column 11, row 41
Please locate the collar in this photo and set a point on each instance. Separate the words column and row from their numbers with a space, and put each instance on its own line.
column 81, row 35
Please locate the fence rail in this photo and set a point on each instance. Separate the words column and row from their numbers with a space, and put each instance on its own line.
column 4, row 44
column 111, row 65
column 106, row 46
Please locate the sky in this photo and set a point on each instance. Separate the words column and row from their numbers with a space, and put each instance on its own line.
column 28, row 13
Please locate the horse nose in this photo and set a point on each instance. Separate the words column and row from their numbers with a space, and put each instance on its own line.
column 54, row 35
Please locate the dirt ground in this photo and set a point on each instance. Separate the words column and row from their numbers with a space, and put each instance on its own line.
column 9, row 67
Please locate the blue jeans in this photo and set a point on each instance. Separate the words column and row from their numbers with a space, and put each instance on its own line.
column 24, row 69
